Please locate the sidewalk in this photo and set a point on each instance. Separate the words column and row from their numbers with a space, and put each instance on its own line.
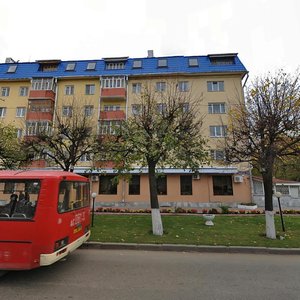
column 190, row 248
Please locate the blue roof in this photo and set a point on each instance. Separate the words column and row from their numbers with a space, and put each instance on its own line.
column 149, row 65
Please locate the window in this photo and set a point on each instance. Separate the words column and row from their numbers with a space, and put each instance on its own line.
column 19, row 133
column 73, row 195
column 48, row 67
column 217, row 131
column 107, row 185
column 161, row 108
column 18, row 199
column 2, row 112
column 88, row 110
column 20, row 112
column 183, row 86
column 137, row 64
column 5, row 91
column 160, row 86
column 70, row 67
column 161, row 182
column 136, row 109
column 193, row 62
column 90, row 89
column 112, row 107
column 283, row 189
column 91, row 66
column 12, row 69
column 134, row 185
column 217, row 155
column 115, row 65
column 186, row 186
column 162, row 63
column 108, row 126
column 185, row 107
column 23, row 92
column 215, row 86
column 36, row 127
column 229, row 60
column 113, row 82
column 42, row 84
column 216, row 108
column 67, row 111
column 222, row 185
column 69, row 90
column 86, row 157
column 136, row 88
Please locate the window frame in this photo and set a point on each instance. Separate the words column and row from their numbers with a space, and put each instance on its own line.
column 20, row 111
column 215, row 86
column 5, row 90
column 111, row 188
column 134, row 185
column 217, row 131
column 23, row 91
column 224, row 188
column 90, row 89
column 217, row 108
column 162, row 185
column 69, row 89
column 187, row 184
column 2, row 112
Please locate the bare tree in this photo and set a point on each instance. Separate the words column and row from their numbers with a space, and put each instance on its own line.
column 163, row 130
column 70, row 137
column 266, row 129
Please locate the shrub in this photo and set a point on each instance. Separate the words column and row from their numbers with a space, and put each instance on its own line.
column 224, row 209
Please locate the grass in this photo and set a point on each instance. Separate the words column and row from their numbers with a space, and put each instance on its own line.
column 227, row 231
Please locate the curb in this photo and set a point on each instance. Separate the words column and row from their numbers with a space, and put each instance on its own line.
column 190, row 248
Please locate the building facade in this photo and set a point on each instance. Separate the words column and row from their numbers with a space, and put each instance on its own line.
column 105, row 90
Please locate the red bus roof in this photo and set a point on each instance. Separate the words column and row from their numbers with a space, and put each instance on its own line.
column 41, row 174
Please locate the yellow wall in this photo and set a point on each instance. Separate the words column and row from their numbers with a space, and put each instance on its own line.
column 202, row 191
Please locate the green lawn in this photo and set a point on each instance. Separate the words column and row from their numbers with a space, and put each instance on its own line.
column 228, row 230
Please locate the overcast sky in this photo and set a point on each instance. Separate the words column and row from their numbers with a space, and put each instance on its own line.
column 265, row 33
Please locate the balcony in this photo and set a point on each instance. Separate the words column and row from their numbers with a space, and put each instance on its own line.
column 117, row 93
column 112, row 115
column 39, row 115
column 42, row 94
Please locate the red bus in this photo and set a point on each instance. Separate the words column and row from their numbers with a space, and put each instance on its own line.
column 44, row 215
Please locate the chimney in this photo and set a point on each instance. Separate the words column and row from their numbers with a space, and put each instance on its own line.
column 9, row 60
column 150, row 53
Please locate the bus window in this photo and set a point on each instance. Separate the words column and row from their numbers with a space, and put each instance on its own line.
column 18, row 198
column 73, row 195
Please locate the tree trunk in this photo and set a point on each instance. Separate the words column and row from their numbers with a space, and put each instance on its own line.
column 157, row 227
column 269, row 212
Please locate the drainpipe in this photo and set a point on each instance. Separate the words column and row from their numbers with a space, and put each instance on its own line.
column 126, row 105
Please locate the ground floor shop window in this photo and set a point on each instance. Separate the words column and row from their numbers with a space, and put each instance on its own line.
column 186, row 187
column 161, row 185
column 222, row 185
column 134, row 185
column 107, row 185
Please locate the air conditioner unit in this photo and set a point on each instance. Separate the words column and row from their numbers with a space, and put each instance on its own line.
column 95, row 178
column 238, row 178
column 196, row 176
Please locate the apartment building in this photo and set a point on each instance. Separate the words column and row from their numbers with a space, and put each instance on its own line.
column 105, row 90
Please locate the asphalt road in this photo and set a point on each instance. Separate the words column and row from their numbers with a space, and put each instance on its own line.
column 128, row 274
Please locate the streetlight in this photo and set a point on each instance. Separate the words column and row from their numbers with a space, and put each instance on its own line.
column 278, row 195
column 93, row 207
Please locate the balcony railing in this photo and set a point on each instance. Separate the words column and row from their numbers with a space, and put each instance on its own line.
column 112, row 115
column 42, row 94
column 118, row 93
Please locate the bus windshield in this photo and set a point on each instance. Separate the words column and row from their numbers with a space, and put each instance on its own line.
column 18, row 198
